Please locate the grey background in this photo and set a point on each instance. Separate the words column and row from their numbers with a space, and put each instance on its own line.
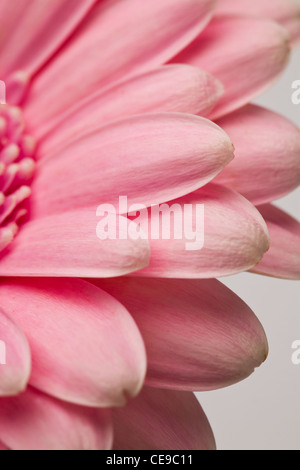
column 263, row 412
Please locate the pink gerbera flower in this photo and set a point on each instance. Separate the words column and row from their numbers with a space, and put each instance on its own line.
column 144, row 99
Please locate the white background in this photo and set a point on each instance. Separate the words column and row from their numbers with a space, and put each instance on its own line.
column 263, row 412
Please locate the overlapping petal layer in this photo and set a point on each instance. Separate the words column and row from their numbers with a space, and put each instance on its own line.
column 198, row 334
column 29, row 39
column 148, row 158
column 245, row 54
column 286, row 12
column 230, row 236
column 15, row 359
column 141, row 35
column 34, row 421
column 267, row 154
column 67, row 245
column 162, row 419
column 85, row 346
column 283, row 258
column 169, row 88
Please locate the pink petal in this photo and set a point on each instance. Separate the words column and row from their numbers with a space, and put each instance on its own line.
column 267, row 148
column 86, row 348
column 198, row 334
column 3, row 447
column 118, row 40
column 15, row 360
column 162, row 420
column 67, row 245
column 235, row 236
column 283, row 258
column 286, row 12
column 148, row 158
column 169, row 88
column 259, row 50
column 33, row 421
column 31, row 32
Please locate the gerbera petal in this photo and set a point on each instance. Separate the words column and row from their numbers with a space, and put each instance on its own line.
column 285, row 12
column 224, row 234
column 15, row 359
column 86, row 348
column 177, row 88
column 34, row 421
column 259, row 50
column 148, row 158
column 198, row 334
column 267, row 149
column 67, row 245
column 104, row 50
column 162, row 420
column 283, row 258
column 31, row 32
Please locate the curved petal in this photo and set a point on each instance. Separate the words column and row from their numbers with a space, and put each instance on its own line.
column 198, row 334
column 259, row 50
column 66, row 245
column 169, row 88
column 86, row 348
column 283, row 258
column 285, row 12
column 267, row 149
column 34, row 421
column 31, row 32
column 118, row 40
column 15, row 358
column 162, row 420
column 148, row 158
column 214, row 232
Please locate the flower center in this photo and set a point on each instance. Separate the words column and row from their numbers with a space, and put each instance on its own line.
column 16, row 171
